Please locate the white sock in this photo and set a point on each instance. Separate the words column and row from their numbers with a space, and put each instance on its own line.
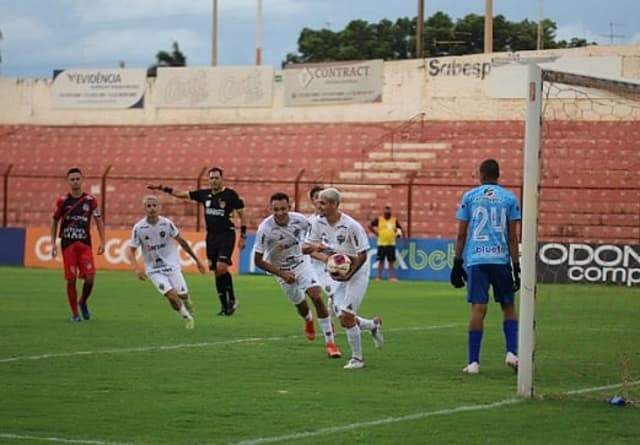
column 184, row 313
column 330, row 307
column 353, row 335
column 366, row 324
column 325, row 325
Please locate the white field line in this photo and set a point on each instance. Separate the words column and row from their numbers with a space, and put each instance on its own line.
column 187, row 345
column 415, row 416
column 57, row 439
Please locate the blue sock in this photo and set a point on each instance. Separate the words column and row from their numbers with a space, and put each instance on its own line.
column 475, row 340
column 510, row 329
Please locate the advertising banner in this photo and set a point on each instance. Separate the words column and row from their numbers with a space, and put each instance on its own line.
column 333, row 83
column 416, row 259
column 37, row 251
column 98, row 89
column 12, row 242
column 589, row 263
column 215, row 87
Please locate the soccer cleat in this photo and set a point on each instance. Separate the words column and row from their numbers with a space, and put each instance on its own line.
column 75, row 319
column 472, row 368
column 511, row 360
column 309, row 330
column 376, row 333
column 190, row 324
column 84, row 309
column 222, row 313
column 333, row 351
column 232, row 307
column 354, row 363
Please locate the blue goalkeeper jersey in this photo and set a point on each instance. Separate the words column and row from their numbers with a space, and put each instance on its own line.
column 488, row 210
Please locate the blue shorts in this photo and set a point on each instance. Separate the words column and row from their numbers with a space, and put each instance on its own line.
column 499, row 276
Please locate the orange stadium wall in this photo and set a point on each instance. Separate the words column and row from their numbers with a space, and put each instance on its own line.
column 38, row 251
column 445, row 88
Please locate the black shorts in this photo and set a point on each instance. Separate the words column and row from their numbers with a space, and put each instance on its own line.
column 388, row 252
column 220, row 248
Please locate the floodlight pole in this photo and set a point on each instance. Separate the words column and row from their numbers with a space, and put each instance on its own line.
column 420, row 30
column 214, row 33
column 531, row 182
column 259, row 34
column 488, row 26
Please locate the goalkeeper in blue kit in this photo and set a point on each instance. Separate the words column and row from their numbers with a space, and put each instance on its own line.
column 486, row 254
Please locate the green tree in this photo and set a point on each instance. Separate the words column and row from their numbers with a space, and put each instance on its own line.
column 389, row 40
column 164, row 58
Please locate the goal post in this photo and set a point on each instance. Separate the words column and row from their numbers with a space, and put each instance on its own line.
column 529, row 249
column 587, row 91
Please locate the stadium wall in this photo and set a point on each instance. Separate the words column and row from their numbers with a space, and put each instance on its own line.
column 445, row 88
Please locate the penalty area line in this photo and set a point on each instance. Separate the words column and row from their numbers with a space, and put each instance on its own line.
column 184, row 345
column 415, row 416
column 57, row 439
column 139, row 349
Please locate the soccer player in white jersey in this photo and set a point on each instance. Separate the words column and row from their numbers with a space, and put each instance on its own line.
column 154, row 235
column 487, row 244
column 278, row 251
column 319, row 259
column 336, row 231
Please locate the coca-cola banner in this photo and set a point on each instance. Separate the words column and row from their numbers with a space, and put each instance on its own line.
column 589, row 263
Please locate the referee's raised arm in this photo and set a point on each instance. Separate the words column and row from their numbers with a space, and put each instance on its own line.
column 169, row 190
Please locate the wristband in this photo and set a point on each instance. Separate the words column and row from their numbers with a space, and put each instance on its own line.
column 243, row 232
column 168, row 190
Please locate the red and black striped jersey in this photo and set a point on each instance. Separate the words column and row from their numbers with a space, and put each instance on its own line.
column 75, row 215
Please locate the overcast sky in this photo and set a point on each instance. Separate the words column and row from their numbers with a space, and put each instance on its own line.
column 41, row 35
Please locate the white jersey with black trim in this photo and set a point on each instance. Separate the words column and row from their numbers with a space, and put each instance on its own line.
column 156, row 241
column 345, row 236
column 280, row 245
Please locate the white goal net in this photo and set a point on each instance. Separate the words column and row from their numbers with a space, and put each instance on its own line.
column 580, row 235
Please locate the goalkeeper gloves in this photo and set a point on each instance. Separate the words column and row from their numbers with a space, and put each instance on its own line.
column 458, row 274
column 516, row 276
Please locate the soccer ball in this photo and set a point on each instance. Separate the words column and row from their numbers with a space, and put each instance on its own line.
column 338, row 264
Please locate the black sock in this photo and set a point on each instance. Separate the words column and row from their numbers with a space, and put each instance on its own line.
column 220, row 287
column 229, row 288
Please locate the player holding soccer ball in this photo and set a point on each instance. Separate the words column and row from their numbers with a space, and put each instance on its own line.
column 338, row 232
column 278, row 250
column 487, row 245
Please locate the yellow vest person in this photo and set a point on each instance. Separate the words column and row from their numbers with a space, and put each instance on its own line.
column 387, row 229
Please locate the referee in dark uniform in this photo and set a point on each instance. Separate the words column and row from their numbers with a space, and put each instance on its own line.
column 220, row 204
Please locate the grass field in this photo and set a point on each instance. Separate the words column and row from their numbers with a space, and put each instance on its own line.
column 134, row 375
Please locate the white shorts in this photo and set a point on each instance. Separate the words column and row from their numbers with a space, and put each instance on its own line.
column 348, row 295
column 327, row 283
column 305, row 279
column 165, row 280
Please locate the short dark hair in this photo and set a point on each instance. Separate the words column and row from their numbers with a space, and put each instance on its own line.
column 490, row 169
column 74, row 170
column 216, row 169
column 315, row 189
column 279, row 196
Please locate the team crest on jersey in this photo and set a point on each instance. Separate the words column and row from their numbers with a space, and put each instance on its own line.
column 489, row 192
column 85, row 207
column 341, row 238
column 162, row 233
